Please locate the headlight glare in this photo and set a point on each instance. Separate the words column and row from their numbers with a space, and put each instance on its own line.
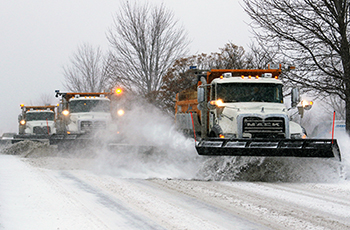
column 65, row 112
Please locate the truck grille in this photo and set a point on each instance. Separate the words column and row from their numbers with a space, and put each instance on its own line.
column 268, row 127
column 90, row 125
column 41, row 130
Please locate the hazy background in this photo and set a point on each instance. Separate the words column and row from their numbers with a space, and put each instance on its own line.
column 38, row 38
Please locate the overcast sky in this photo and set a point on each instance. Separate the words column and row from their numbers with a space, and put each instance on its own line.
column 38, row 37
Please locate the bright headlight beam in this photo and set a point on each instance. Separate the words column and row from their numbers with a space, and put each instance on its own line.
column 219, row 103
column 120, row 112
column 65, row 112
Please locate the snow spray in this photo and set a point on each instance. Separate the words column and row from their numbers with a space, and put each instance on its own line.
column 153, row 147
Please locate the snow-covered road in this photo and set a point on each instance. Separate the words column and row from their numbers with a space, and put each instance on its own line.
column 60, row 193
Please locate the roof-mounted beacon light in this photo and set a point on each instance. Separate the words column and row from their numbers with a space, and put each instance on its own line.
column 118, row 91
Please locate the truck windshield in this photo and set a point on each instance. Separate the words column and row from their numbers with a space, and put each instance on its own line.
column 250, row 92
column 83, row 106
column 40, row 116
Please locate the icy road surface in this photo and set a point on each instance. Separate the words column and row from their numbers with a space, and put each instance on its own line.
column 64, row 193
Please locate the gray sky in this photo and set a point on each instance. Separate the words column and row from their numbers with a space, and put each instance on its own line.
column 38, row 38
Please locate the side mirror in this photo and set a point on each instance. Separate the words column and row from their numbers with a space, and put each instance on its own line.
column 200, row 95
column 19, row 117
column 295, row 97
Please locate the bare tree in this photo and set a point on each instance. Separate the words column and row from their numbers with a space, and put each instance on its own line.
column 314, row 35
column 260, row 56
column 146, row 41
column 230, row 57
column 179, row 77
column 334, row 103
column 87, row 72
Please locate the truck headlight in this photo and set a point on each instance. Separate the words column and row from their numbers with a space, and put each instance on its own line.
column 215, row 104
column 120, row 112
column 307, row 104
column 65, row 112
column 22, row 122
column 219, row 103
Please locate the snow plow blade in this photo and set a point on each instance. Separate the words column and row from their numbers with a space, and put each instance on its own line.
column 30, row 137
column 318, row 148
column 72, row 141
column 82, row 141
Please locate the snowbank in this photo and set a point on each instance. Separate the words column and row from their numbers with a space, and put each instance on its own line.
column 29, row 148
column 269, row 169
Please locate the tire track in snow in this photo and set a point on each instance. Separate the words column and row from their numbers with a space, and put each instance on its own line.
column 334, row 194
column 310, row 206
column 314, row 203
column 262, row 203
column 133, row 220
column 161, row 210
column 204, row 210
column 312, row 211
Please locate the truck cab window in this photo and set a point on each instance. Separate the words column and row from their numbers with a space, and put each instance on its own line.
column 40, row 116
column 250, row 92
column 82, row 106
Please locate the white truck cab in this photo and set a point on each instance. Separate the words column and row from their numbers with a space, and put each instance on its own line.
column 88, row 113
column 37, row 120
column 250, row 107
column 84, row 113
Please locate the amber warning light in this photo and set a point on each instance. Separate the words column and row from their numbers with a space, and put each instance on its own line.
column 118, row 91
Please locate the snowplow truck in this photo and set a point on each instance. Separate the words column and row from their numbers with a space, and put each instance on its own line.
column 241, row 112
column 83, row 118
column 36, row 122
